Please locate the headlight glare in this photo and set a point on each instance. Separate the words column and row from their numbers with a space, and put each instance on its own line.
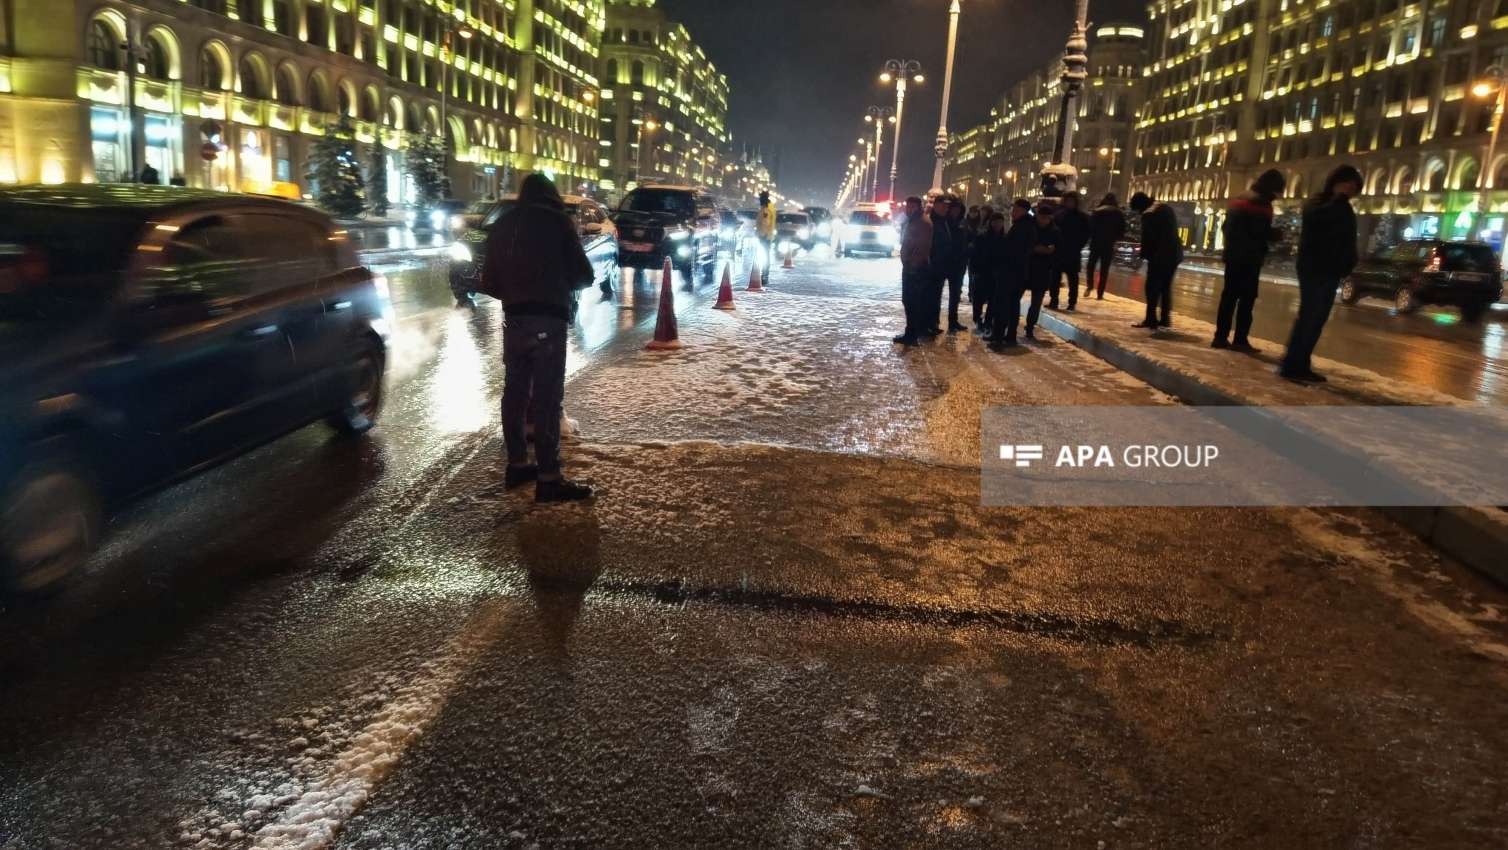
column 459, row 253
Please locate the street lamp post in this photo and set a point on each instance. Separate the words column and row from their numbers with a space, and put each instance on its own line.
column 447, row 56
column 1109, row 152
column 1059, row 177
column 942, row 124
column 646, row 127
column 878, row 115
column 898, row 71
column 1495, row 82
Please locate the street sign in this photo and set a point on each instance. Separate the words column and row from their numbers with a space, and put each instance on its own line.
column 210, row 151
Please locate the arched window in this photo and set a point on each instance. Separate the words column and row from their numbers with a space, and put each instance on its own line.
column 211, row 69
column 612, row 72
column 343, row 100
column 1435, row 182
column 287, row 86
column 638, row 72
column 319, row 94
column 159, row 64
column 253, row 85
column 104, row 45
column 369, row 105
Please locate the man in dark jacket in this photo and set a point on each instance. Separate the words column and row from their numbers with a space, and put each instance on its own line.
column 535, row 266
column 941, row 263
column 1073, row 234
column 1012, row 276
column 959, row 238
column 1163, row 251
column 1327, row 254
column 1107, row 226
column 1248, row 233
column 916, row 280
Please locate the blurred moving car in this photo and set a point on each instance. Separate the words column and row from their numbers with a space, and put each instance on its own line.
column 870, row 230
column 447, row 215
column 822, row 224
column 150, row 332
column 658, row 221
column 794, row 230
column 1467, row 275
column 729, row 236
column 599, row 238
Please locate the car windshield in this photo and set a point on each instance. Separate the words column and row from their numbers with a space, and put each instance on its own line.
column 861, row 217
column 1456, row 257
column 660, row 201
column 56, row 262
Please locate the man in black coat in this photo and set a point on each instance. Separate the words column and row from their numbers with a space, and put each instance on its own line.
column 535, row 266
column 1073, row 234
column 1107, row 226
column 1163, row 251
column 959, row 238
column 941, row 264
column 1327, row 254
column 1248, row 233
column 1012, row 276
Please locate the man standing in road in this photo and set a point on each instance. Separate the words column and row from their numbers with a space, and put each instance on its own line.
column 1327, row 253
column 1073, row 234
column 535, row 266
column 1011, row 277
column 1107, row 226
column 916, row 277
column 1161, row 248
column 1248, row 234
column 764, row 229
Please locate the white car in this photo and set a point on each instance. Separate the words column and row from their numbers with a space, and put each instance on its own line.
column 870, row 230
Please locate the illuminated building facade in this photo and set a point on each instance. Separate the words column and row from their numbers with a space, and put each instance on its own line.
column 1235, row 88
column 231, row 94
column 1003, row 158
column 660, row 91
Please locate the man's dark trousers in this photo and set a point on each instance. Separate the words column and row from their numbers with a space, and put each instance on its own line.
column 955, row 293
column 1316, row 299
column 915, row 288
column 932, row 306
column 1071, row 272
column 534, row 359
column 1237, row 299
column 1005, row 310
column 1098, row 257
column 1160, row 292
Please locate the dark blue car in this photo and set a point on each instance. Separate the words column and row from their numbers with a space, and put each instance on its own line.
column 148, row 332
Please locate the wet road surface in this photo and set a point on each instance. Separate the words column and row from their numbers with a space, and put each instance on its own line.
column 785, row 622
column 1432, row 347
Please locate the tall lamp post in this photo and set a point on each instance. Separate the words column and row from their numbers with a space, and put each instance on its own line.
column 942, row 124
column 1493, row 82
column 1059, row 177
column 870, row 165
column 1109, row 152
column 898, row 71
column 878, row 115
column 646, row 127
column 447, row 57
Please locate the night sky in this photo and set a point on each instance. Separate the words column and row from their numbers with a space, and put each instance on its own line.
column 802, row 72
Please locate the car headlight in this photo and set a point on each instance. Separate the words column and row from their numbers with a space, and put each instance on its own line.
column 804, row 233
column 680, row 235
column 459, row 253
column 824, row 229
column 887, row 236
column 457, row 222
column 410, row 217
column 437, row 219
column 683, row 252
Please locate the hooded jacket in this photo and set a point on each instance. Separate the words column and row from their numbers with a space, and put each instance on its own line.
column 535, row 263
column 1248, row 228
column 1327, row 246
column 1015, row 260
column 1073, row 234
column 1107, row 226
column 1159, row 235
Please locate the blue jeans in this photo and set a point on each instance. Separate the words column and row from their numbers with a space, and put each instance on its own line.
column 1316, row 298
column 534, row 359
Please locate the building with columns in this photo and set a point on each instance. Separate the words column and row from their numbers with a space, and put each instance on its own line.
column 1002, row 158
column 1237, row 87
column 231, row 94
column 659, row 92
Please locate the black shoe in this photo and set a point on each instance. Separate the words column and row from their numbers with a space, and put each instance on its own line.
column 1309, row 377
column 1099, row 298
column 1245, row 347
column 561, row 490
column 1314, row 376
column 932, row 332
column 517, row 476
column 1145, row 325
column 1052, row 307
column 1071, row 308
column 1165, row 323
column 956, row 327
column 904, row 339
column 1031, row 335
column 1220, row 343
column 1007, row 342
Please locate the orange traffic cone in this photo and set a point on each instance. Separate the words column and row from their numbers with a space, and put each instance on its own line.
column 790, row 258
column 667, row 338
column 725, row 293
column 756, row 283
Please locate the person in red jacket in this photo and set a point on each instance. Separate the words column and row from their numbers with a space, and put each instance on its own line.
column 1248, row 233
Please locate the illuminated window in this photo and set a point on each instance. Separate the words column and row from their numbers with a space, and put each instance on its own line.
column 104, row 46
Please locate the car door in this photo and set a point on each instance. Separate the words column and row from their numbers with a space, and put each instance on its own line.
column 594, row 238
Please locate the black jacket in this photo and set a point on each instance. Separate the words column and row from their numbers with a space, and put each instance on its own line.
column 535, row 263
column 1159, row 236
column 1044, row 267
column 1016, row 257
column 987, row 256
column 943, row 237
column 1073, row 235
column 1248, row 229
column 1327, row 245
column 1107, row 226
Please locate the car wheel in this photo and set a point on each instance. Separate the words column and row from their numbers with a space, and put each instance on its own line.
column 1474, row 311
column 363, row 392
column 1404, row 300
column 1349, row 294
column 49, row 524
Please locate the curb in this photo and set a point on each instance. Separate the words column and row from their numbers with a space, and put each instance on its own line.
column 1477, row 537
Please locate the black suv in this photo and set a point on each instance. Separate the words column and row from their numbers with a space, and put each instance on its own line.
column 1430, row 271
column 147, row 332
column 679, row 222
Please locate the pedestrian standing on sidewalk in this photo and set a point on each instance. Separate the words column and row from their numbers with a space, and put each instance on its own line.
column 960, row 234
column 1043, row 268
column 1073, row 234
column 916, row 274
column 986, row 259
column 535, row 266
column 764, row 230
column 1012, row 276
column 1163, row 251
column 939, row 264
column 1107, row 226
column 1248, row 234
column 1327, row 254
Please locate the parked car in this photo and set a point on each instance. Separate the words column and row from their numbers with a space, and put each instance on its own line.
column 1466, row 275
column 869, row 230
column 679, row 222
column 150, row 332
column 794, row 229
column 599, row 238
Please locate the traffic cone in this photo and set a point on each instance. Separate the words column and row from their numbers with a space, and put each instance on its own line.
column 725, row 293
column 756, row 283
column 667, row 338
column 790, row 258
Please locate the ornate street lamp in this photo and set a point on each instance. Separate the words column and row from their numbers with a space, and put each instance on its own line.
column 1059, row 177
column 898, row 71
column 941, row 148
column 1494, row 82
column 877, row 115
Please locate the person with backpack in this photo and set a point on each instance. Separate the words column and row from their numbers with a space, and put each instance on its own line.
column 1248, row 234
column 535, row 266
